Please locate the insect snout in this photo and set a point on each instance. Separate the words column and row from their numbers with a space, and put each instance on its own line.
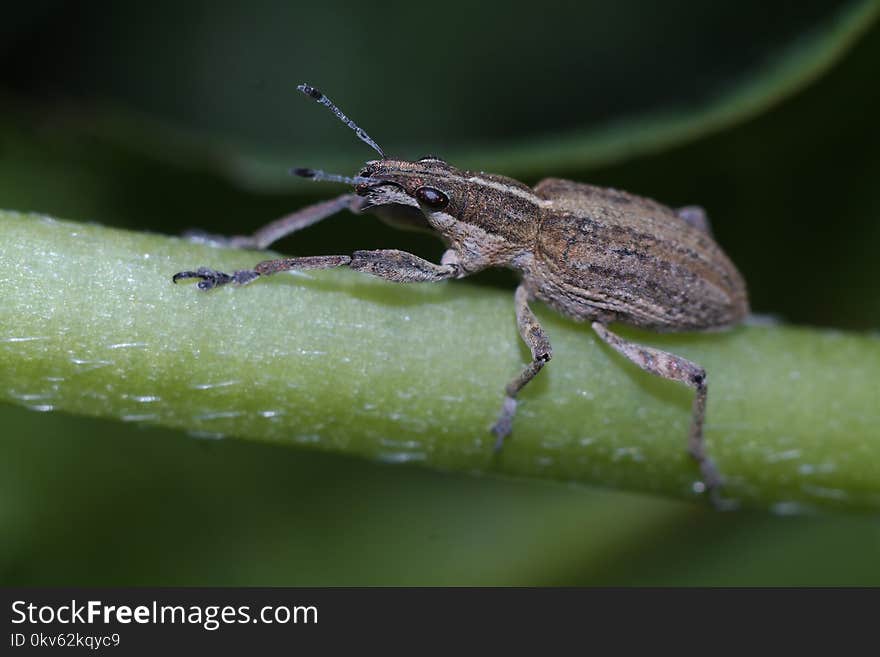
column 371, row 186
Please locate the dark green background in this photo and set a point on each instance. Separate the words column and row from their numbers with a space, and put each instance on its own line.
column 152, row 116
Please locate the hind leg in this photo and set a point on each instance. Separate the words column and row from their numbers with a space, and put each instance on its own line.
column 675, row 368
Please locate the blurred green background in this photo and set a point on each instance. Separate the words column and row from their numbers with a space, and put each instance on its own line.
column 168, row 115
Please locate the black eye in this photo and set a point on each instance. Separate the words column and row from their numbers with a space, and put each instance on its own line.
column 431, row 197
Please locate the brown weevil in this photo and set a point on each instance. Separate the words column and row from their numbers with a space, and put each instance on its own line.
column 593, row 254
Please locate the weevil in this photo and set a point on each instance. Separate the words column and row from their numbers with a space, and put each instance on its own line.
column 593, row 254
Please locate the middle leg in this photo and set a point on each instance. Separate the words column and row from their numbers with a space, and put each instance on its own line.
column 533, row 335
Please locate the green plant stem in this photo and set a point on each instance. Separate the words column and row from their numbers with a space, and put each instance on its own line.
column 90, row 323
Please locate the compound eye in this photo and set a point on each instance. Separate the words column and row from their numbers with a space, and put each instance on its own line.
column 431, row 197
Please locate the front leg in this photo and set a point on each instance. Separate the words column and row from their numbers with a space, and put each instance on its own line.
column 290, row 223
column 390, row 264
column 675, row 368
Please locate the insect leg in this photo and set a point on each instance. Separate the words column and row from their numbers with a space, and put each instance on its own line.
column 675, row 368
column 284, row 226
column 533, row 335
column 390, row 264
column 696, row 217
column 403, row 267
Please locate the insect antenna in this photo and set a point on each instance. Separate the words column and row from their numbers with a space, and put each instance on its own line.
column 321, row 98
column 318, row 175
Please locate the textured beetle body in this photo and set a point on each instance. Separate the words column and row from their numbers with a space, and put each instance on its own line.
column 589, row 252
column 593, row 254
column 602, row 253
